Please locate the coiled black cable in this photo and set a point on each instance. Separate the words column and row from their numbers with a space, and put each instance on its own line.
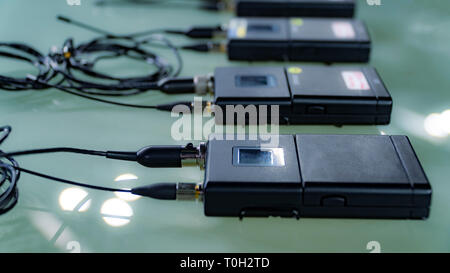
column 25, row 53
column 84, row 57
column 62, row 69
column 9, row 176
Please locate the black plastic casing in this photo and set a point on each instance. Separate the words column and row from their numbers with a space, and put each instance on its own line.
column 308, row 94
column 298, row 39
column 349, row 176
column 294, row 8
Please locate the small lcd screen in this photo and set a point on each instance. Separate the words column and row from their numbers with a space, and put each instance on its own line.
column 257, row 156
column 255, row 81
column 253, row 156
column 261, row 28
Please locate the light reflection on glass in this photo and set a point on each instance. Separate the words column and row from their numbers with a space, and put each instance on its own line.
column 72, row 198
column 116, row 212
column 438, row 125
column 445, row 116
column 126, row 195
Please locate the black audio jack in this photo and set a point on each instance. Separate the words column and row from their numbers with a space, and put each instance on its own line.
column 150, row 156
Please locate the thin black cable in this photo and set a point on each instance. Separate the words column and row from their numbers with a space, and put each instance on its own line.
column 55, row 150
column 25, row 53
column 210, row 5
column 196, row 32
column 65, row 181
column 82, row 58
column 106, row 33
column 10, row 172
column 41, row 81
column 60, row 69
column 66, row 90
column 162, row 107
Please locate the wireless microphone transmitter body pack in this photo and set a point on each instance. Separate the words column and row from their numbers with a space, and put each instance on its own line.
column 351, row 176
column 294, row 8
column 306, row 94
column 298, row 39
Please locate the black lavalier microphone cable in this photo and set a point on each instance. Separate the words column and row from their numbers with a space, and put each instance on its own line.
column 212, row 5
column 150, row 156
column 83, row 58
column 27, row 54
column 194, row 32
column 201, row 84
column 75, row 59
column 161, row 107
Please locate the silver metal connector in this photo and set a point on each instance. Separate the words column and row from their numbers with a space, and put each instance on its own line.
column 222, row 33
column 204, row 84
column 230, row 5
column 189, row 191
column 194, row 156
column 218, row 47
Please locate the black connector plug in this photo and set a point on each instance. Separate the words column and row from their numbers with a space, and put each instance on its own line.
column 170, row 191
column 206, row 47
column 170, row 106
column 162, row 156
column 152, row 156
column 177, row 85
column 200, row 84
column 190, row 104
column 164, row 191
column 200, row 32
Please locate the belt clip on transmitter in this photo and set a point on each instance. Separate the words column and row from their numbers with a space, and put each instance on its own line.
column 306, row 94
column 298, row 39
column 351, row 176
column 293, row 8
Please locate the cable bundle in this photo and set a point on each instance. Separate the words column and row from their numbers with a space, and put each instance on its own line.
column 61, row 69
column 29, row 55
column 9, row 176
column 84, row 57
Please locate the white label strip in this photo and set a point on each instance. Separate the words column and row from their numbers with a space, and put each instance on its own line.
column 343, row 30
column 355, row 80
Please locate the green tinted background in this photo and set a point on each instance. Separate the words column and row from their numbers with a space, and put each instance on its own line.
column 410, row 51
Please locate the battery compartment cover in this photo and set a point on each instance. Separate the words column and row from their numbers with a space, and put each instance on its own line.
column 350, row 94
column 362, row 175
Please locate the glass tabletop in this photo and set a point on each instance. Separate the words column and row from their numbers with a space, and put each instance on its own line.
column 410, row 52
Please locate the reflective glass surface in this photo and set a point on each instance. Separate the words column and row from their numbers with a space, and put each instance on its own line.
column 410, row 51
